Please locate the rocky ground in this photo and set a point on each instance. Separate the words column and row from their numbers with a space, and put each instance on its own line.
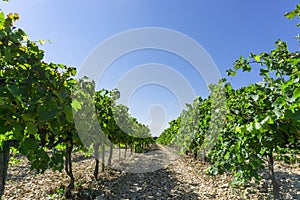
column 158, row 174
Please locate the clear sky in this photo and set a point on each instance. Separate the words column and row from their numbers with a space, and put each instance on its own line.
column 225, row 29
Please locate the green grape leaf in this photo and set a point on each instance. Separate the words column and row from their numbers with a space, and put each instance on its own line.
column 48, row 110
column 296, row 115
column 69, row 114
column 76, row 105
column 297, row 93
column 2, row 20
column 31, row 128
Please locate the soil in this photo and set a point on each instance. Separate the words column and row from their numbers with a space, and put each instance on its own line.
column 157, row 174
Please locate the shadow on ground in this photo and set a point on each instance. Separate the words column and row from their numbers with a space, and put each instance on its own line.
column 160, row 184
column 287, row 181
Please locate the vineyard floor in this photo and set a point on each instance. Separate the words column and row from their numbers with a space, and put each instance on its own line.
column 158, row 174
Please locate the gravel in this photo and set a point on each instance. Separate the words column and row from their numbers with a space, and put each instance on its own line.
column 157, row 174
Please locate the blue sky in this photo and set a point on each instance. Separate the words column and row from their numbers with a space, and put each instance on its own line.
column 225, row 29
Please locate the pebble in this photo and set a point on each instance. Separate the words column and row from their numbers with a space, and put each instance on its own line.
column 180, row 179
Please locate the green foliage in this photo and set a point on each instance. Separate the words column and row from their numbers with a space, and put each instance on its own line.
column 116, row 122
column 168, row 135
column 262, row 116
column 294, row 13
column 44, row 108
column 198, row 127
column 42, row 105
column 2, row 19
column 262, row 121
column 35, row 97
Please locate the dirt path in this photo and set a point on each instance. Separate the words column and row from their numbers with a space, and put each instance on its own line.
column 161, row 174
column 157, row 174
